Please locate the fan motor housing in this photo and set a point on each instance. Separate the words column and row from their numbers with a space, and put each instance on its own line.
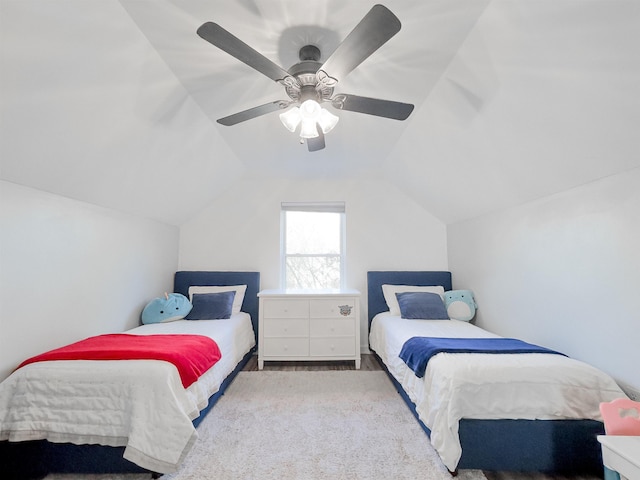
column 304, row 69
column 308, row 65
column 309, row 92
column 305, row 73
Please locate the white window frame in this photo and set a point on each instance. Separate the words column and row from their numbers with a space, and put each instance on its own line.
column 324, row 207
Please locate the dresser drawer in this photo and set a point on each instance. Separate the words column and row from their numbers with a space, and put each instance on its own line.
column 286, row 308
column 332, row 327
column 333, row 307
column 286, row 347
column 285, row 327
column 332, row 347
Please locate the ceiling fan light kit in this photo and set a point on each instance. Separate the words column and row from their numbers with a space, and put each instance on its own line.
column 310, row 83
column 309, row 115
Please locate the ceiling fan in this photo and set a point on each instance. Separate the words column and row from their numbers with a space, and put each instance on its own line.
column 309, row 83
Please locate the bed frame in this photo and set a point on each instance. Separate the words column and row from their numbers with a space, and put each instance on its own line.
column 36, row 459
column 549, row 446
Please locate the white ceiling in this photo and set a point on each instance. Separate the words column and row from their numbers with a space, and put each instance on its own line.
column 114, row 102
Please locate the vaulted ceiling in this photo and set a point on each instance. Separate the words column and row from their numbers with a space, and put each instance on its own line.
column 115, row 102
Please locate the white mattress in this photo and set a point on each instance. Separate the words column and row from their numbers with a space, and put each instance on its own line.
column 140, row 404
column 486, row 386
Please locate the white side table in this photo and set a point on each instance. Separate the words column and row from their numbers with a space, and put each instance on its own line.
column 621, row 454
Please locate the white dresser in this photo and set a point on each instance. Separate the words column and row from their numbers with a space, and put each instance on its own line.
column 309, row 325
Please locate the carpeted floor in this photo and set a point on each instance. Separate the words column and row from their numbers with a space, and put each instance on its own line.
column 283, row 425
column 313, row 425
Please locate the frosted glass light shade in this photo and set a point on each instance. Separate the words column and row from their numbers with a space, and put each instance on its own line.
column 291, row 119
column 308, row 115
column 327, row 120
column 310, row 109
column 308, row 128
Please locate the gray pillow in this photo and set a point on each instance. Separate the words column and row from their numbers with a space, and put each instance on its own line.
column 211, row 306
column 422, row 305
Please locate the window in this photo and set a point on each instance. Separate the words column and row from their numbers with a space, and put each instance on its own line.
column 312, row 245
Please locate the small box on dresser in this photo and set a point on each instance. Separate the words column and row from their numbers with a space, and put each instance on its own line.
column 308, row 325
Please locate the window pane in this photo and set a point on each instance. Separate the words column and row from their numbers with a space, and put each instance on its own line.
column 312, row 233
column 313, row 272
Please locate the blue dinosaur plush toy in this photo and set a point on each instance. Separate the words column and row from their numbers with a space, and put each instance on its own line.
column 173, row 306
column 460, row 304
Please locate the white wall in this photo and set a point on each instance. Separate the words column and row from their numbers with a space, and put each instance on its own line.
column 69, row 270
column 386, row 230
column 563, row 271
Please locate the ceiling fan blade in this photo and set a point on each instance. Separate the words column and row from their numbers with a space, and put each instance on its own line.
column 373, row 31
column 253, row 112
column 372, row 106
column 219, row 37
column 317, row 143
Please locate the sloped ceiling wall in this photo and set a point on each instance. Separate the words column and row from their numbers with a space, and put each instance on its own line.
column 114, row 102
column 542, row 97
column 91, row 112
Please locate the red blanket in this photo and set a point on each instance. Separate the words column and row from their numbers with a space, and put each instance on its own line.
column 191, row 354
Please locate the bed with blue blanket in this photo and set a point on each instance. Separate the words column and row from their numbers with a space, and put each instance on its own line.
column 149, row 425
column 486, row 402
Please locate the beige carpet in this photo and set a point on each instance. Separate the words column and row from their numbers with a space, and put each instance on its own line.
column 313, row 425
column 310, row 425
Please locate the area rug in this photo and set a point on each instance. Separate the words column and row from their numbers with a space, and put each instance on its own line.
column 312, row 425
column 292, row 425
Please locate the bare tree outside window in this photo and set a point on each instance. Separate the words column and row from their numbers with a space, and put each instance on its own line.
column 312, row 246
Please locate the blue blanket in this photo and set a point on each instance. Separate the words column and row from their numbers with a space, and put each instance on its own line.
column 417, row 351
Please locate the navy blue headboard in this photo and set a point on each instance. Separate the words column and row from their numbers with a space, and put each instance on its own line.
column 375, row 280
column 184, row 279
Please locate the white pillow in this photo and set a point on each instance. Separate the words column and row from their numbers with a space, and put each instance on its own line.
column 237, row 300
column 389, row 292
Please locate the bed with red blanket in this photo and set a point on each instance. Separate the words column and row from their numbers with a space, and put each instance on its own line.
column 192, row 355
column 125, row 402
